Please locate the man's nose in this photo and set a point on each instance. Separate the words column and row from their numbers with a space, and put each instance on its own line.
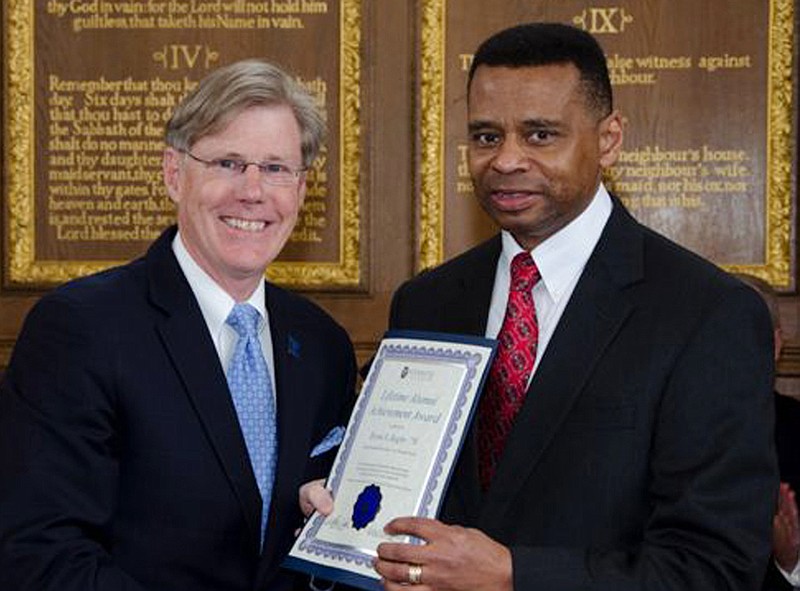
column 511, row 156
column 252, row 182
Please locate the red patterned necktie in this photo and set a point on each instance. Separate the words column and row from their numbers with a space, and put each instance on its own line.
column 513, row 362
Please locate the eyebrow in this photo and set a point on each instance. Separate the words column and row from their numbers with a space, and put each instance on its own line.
column 477, row 125
column 538, row 122
column 542, row 122
column 234, row 155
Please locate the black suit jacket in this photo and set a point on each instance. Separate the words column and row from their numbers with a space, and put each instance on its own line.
column 642, row 457
column 787, row 440
column 122, row 464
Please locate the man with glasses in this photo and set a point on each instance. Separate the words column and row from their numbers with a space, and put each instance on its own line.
column 157, row 419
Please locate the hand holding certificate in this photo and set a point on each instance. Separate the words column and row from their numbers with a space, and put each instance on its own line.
column 398, row 452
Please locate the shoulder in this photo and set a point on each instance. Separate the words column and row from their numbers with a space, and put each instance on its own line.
column 107, row 293
column 664, row 272
column 477, row 263
column 79, row 323
column 302, row 310
column 689, row 279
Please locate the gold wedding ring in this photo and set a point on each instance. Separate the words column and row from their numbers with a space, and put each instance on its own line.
column 415, row 574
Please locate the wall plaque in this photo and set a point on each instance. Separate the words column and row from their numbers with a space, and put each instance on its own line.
column 708, row 155
column 89, row 85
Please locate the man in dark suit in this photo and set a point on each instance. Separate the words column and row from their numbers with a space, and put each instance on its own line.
column 148, row 441
column 783, row 572
column 636, row 455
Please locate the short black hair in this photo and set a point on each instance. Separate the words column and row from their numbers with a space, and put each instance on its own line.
column 543, row 44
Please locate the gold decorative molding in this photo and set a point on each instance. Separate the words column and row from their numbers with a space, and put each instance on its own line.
column 432, row 189
column 18, row 173
column 777, row 268
column 347, row 271
column 22, row 266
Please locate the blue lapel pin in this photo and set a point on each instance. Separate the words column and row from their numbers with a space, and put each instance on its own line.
column 293, row 347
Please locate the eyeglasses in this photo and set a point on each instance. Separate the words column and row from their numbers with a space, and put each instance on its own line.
column 232, row 169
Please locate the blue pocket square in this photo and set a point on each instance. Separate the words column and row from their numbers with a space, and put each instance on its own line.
column 331, row 440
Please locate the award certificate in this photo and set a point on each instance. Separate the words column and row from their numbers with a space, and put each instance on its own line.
column 398, row 452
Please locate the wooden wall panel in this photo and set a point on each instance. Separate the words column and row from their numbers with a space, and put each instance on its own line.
column 395, row 219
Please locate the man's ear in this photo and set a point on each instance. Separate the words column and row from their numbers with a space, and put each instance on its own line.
column 610, row 138
column 171, row 169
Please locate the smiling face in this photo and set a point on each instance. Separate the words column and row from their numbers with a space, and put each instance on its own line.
column 536, row 149
column 233, row 228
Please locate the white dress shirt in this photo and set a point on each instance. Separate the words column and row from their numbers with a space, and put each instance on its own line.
column 216, row 305
column 560, row 260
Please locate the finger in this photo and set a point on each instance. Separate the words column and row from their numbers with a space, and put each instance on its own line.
column 420, row 527
column 315, row 497
column 401, row 553
column 398, row 573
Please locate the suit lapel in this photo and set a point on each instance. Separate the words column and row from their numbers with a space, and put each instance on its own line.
column 467, row 313
column 293, row 406
column 596, row 312
column 186, row 339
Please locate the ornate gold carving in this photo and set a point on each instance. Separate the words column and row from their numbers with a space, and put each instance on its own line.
column 19, row 147
column 22, row 266
column 780, row 98
column 432, row 190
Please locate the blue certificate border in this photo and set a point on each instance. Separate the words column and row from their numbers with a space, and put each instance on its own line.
column 432, row 347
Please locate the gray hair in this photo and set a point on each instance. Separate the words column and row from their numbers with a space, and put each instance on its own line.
column 227, row 91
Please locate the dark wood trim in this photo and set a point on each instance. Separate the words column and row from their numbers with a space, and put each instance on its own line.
column 6, row 345
column 789, row 363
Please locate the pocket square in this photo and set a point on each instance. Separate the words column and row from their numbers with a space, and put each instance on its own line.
column 331, row 440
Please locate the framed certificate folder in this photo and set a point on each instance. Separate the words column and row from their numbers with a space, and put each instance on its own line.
column 398, row 452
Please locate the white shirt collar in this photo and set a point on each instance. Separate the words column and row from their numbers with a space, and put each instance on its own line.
column 215, row 303
column 562, row 256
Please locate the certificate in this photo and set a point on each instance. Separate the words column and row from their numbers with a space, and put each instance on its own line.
column 398, row 452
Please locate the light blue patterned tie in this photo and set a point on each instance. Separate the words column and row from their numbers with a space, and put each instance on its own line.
column 251, row 389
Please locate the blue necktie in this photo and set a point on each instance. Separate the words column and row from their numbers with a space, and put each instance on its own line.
column 251, row 390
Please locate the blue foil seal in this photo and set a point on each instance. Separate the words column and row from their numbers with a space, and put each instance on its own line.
column 367, row 506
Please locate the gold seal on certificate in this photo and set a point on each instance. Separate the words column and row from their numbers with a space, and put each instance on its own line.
column 399, row 449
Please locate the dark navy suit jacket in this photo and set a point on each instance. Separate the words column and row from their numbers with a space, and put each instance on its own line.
column 642, row 458
column 122, row 465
